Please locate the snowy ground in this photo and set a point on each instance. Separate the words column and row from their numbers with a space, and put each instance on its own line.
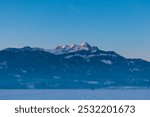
column 101, row 94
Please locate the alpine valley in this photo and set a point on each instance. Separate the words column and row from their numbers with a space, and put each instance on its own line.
column 70, row 67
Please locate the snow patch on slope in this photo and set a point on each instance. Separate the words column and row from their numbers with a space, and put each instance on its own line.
column 107, row 62
column 3, row 64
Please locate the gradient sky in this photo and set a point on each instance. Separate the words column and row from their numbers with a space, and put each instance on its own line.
column 119, row 25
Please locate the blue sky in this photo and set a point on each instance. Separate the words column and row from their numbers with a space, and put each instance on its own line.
column 119, row 25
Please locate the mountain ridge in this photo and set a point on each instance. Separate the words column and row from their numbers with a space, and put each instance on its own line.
column 37, row 68
column 60, row 49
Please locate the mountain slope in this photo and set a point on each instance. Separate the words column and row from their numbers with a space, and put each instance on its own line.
column 70, row 67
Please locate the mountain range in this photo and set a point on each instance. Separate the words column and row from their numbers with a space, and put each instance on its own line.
column 70, row 67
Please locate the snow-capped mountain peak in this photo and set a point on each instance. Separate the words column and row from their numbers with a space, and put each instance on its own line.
column 73, row 48
column 85, row 46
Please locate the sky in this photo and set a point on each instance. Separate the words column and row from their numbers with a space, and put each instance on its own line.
column 117, row 25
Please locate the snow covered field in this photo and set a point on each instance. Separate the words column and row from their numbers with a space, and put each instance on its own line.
column 101, row 94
